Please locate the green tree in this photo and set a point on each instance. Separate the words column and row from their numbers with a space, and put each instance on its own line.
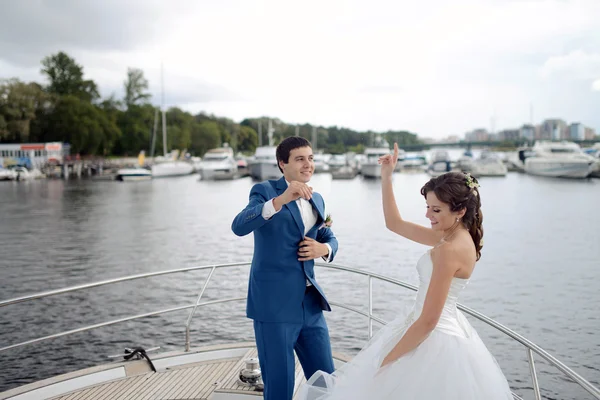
column 179, row 129
column 136, row 124
column 3, row 127
column 112, row 107
column 247, row 140
column 83, row 125
column 19, row 102
column 401, row 137
column 66, row 78
column 136, row 87
column 205, row 136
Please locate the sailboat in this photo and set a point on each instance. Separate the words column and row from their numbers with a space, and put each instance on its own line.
column 169, row 165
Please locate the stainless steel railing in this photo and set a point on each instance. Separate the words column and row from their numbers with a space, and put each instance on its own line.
column 530, row 347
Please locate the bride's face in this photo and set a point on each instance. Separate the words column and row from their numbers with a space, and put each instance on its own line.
column 439, row 213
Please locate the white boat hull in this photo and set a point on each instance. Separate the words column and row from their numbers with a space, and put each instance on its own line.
column 369, row 170
column 7, row 175
column 133, row 174
column 558, row 169
column 495, row 169
column 172, row 168
column 263, row 170
column 218, row 174
column 345, row 172
column 135, row 178
column 596, row 170
column 438, row 168
column 321, row 167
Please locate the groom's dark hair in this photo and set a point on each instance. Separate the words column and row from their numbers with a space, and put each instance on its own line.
column 287, row 145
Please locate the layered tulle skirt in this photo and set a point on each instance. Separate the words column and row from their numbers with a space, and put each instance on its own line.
column 445, row 366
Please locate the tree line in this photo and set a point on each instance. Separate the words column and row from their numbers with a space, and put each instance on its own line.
column 69, row 109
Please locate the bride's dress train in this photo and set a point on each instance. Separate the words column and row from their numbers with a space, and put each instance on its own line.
column 451, row 364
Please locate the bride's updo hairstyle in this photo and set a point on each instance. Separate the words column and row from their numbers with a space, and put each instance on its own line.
column 460, row 191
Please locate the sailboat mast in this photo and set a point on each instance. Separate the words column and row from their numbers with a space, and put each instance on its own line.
column 154, row 133
column 162, row 106
column 270, row 133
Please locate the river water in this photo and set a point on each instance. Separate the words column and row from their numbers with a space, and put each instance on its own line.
column 538, row 274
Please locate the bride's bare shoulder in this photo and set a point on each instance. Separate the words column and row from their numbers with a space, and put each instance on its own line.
column 459, row 248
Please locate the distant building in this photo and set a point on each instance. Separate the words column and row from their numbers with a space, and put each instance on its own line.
column 452, row 139
column 478, row 135
column 577, row 131
column 527, row 132
column 550, row 129
column 589, row 133
column 553, row 129
column 509, row 135
column 33, row 154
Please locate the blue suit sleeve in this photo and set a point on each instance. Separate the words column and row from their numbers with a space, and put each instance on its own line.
column 325, row 235
column 250, row 218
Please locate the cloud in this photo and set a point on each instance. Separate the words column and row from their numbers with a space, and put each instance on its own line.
column 436, row 68
column 596, row 85
column 577, row 65
column 30, row 29
column 381, row 89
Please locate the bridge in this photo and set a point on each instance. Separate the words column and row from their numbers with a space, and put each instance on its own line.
column 502, row 144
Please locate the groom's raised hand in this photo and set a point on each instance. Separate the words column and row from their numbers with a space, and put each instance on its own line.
column 294, row 191
column 309, row 249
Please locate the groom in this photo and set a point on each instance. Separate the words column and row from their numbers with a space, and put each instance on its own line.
column 284, row 299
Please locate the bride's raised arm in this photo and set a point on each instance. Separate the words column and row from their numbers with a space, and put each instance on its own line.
column 393, row 220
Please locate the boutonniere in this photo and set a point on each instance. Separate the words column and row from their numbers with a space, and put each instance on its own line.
column 328, row 222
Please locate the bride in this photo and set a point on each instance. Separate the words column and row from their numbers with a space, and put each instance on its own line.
column 432, row 352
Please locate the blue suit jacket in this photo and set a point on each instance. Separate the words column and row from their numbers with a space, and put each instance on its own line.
column 277, row 279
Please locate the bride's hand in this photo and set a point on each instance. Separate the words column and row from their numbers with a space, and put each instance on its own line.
column 388, row 162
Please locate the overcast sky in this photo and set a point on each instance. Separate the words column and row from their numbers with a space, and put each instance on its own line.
column 435, row 67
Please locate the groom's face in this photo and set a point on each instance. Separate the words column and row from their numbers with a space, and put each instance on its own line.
column 300, row 165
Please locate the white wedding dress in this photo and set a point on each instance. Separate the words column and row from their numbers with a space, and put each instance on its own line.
column 451, row 364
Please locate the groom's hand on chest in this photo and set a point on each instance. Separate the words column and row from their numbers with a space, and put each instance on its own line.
column 309, row 249
column 294, row 191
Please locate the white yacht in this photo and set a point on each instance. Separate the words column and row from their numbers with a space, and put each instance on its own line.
column 263, row 165
column 342, row 167
column 370, row 167
column 170, row 165
column 337, row 161
column 137, row 173
column 7, row 174
column 215, row 371
column 488, row 164
column 172, row 168
column 559, row 159
column 440, row 163
column 133, row 174
column 218, row 164
column 414, row 162
column 594, row 151
column 465, row 161
column 321, row 162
